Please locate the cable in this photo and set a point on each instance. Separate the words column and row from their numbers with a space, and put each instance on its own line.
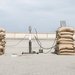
column 52, row 47
column 17, row 43
column 39, row 43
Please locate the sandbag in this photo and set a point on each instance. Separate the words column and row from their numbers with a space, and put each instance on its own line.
column 2, row 41
column 1, row 37
column 1, row 47
column 66, row 29
column 66, row 50
column 65, row 42
column 2, row 44
column 66, row 33
column 65, row 46
column 66, row 36
column 64, row 39
column 2, row 34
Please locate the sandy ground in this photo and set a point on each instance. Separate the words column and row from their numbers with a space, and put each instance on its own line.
column 37, row 64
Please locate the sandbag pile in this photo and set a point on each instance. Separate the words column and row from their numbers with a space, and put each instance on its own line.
column 2, row 41
column 64, row 41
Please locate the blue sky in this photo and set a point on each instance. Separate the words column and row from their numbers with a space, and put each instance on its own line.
column 44, row 15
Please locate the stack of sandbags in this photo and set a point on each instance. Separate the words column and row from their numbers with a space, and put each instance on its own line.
column 65, row 41
column 2, row 41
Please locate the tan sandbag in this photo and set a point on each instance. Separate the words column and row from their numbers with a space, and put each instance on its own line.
column 2, row 34
column 66, row 33
column 65, row 50
column 1, row 53
column 66, row 36
column 65, row 42
column 65, row 46
column 66, row 29
column 2, row 44
column 64, row 39
column 3, row 40
column 1, row 47
column 1, row 37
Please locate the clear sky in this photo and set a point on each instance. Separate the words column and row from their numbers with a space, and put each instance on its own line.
column 44, row 15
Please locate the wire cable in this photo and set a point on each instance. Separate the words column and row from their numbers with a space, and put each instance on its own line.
column 39, row 43
column 16, row 43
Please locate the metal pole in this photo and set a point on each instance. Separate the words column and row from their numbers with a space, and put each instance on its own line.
column 30, row 46
column 30, row 42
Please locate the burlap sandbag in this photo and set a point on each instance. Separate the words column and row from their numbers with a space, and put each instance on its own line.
column 2, row 34
column 66, row 29
column 66, row 33
column 2, row 37
column 67, row 51
column 2, row 41
column 64, row 39
column 1, row 47
column 65, row 46
column 2, row 44
column 66, row 36
column 65, row 42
